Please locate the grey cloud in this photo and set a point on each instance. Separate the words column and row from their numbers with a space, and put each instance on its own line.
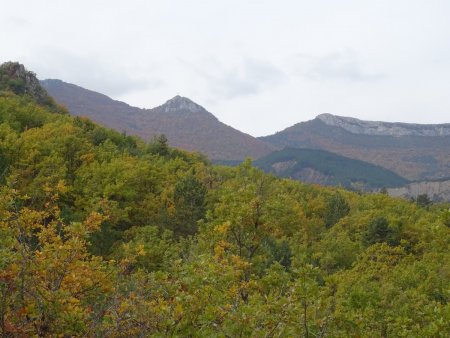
column 247, row 77
column 17, row 22
column 92, row 73
column 343, row 66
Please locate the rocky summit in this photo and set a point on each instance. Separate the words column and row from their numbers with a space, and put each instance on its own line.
column 180, row 104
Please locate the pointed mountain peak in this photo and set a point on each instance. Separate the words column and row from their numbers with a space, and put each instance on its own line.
column 182, row 104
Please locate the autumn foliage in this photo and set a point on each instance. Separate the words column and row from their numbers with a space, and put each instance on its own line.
column 103, row 235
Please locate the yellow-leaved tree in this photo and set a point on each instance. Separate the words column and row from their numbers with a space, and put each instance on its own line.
column 49, row 283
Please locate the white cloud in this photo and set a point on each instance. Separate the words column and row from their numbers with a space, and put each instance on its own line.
column 228, row 80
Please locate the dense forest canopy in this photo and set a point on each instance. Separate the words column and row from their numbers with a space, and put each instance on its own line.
column 104, row 235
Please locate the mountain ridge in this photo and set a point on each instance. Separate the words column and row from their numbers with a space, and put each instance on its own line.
column 185, row 123
column 415, row 157
column 414, row 151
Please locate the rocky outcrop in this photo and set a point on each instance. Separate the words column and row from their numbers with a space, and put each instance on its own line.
column 14, row 77
column 357, row 126
column 437, row 191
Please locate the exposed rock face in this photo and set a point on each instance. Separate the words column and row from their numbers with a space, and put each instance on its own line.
column 357, row 126
column 14, row 77
column 438, row 190
column 181, row 104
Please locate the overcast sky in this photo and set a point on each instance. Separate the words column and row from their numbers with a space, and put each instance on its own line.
column 259, row 66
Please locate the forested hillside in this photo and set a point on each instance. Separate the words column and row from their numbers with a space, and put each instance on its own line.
column 104, row 235
column 325, row 168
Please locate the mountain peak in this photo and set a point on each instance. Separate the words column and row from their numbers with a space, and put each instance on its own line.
column 180, row 103
column 186, row 124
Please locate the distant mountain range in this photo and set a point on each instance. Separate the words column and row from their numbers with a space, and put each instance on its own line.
column 186, row 124
column 414, row 151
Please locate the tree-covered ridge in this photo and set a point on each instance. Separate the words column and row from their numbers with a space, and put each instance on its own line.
column 323, row 167
column 104, row 235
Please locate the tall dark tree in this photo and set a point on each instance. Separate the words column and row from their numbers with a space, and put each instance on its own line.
column 337, row 208
column 423, row 200
column 189, row 198
column 379, row 231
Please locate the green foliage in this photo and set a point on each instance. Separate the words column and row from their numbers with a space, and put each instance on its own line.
column 336, row 208
column 190, row 205
column 423, row 200
column 379, row 231
column 159, row 145
column 278, row 252
column 147, row 248
column 446, row 217
column 104, row 235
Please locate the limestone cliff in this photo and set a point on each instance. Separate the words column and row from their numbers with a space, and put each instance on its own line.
column 437, row 190
column 357, row 126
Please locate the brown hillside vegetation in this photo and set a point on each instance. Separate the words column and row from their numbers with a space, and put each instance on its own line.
column 186, row 124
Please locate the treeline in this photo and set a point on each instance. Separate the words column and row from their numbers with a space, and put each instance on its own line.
column 104, row 235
